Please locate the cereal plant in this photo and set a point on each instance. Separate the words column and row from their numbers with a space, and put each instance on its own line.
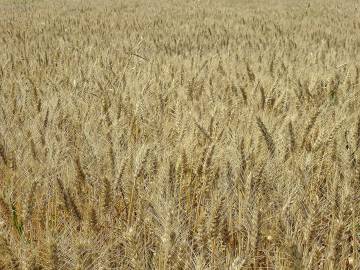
column 179, row 134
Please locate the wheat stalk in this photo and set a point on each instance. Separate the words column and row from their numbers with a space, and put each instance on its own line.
column 268, row 139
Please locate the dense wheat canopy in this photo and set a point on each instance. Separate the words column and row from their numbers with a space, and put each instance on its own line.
column 179, row 134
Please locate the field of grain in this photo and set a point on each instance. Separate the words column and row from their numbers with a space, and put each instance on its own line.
column 179, row 134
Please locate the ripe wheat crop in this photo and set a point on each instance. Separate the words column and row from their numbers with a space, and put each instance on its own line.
column 179, row 134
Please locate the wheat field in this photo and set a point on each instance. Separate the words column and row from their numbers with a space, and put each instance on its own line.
column 179, row 134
